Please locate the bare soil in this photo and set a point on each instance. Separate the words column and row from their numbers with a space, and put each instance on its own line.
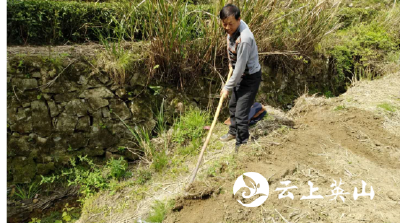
column 348, row 138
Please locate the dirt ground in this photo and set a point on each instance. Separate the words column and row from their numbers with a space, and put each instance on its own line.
column 351, row 138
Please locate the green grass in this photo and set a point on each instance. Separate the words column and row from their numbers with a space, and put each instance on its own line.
column 160, row 161
column 90, row 177
column 143, row 176
column 339, row 108
column 189, row 126
column 387, row 107
column 159, row 211
column 26, row 191
column 190, row 149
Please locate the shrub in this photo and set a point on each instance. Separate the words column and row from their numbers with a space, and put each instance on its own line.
column 57, row 22
column 349, row 16
column 44, row 22
column 361, row 48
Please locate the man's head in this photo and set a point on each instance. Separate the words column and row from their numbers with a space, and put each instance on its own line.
column 230, row 17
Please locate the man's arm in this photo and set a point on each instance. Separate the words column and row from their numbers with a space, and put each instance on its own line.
column 242, row 58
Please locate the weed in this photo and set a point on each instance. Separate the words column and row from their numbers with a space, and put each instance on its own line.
column 160, row 160
column 35, row 220
column 159, row 211
column 69, row 214
column 283, row 129
column 190, row 125
column 121, row 148
column 192, row 148
column 339, row 108
column 143, row 176
column 54, row 217
column 214, row 169
column 182, row 40
column 387, row 107
column 154, row 156
column 117, row 168
column 102, row 125
column 115, row 60
column 87, row 175
column 358, row 50
column 156, row 89
column 27, row 191
column 329, row 94
column 161, row 123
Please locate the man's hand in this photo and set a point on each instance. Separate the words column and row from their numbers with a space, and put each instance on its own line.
column 224, row 93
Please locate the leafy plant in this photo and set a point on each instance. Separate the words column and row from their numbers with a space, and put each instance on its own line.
column 68, row 214
column 102, row 125
column 35, row 220
column 88, row 176
column 156, row 89
column 117, row 168
column 121, row 148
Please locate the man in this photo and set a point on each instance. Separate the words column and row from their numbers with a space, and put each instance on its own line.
column 246, row 76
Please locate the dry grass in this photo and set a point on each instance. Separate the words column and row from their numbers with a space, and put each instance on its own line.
column 304, row 103
column 371, row 95
column 286, row 34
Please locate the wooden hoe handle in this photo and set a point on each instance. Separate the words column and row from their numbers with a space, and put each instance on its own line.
column 221, row 100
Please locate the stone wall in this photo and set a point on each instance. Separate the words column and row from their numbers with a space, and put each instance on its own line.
column 80, row 113
column 58, row 108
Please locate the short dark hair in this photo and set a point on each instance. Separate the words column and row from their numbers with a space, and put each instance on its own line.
column 229, row 10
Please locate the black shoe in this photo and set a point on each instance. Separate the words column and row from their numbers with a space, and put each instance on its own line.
column 227, row 137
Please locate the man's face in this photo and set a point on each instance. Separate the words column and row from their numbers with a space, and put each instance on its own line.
column 230, row 24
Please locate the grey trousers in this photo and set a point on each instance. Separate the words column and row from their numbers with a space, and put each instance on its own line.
column 242, row 98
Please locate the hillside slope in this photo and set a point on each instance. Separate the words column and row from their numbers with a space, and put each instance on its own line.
column 354, row 137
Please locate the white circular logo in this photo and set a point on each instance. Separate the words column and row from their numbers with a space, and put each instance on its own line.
column 253, row 184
